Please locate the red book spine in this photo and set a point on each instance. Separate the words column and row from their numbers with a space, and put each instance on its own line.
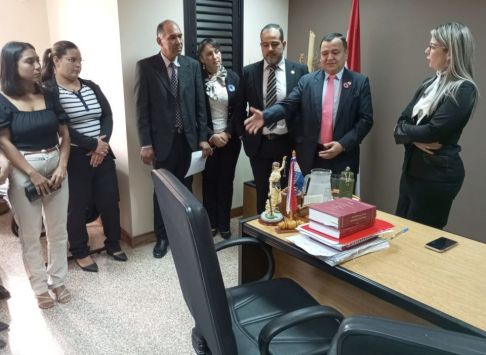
column 357, row 218
column 356, row 228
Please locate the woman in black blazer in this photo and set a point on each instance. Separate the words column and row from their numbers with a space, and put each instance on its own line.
column 431, row 125
column 221, row 86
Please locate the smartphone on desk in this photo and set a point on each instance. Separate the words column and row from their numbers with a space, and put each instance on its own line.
column 441, row 244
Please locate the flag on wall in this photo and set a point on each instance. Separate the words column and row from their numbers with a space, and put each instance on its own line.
column 354, row 54
column 354, row 48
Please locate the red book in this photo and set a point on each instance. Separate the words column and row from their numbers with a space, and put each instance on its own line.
column 340, row 233
column 349, row 241
column 341, row 213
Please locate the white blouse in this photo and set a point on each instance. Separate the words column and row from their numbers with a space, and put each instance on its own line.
column 219, row 108
column 422, row 107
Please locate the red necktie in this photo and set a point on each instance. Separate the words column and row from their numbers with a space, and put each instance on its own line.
column 327, row 107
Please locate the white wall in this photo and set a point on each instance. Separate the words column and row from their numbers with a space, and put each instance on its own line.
column 257, row 14
column 138, row 24
column 99, row 43
column 25, row 22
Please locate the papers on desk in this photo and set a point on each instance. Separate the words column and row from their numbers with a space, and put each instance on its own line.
column 198, row 163
column 335, row 257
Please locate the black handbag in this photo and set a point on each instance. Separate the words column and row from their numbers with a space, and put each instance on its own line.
column 31, row 191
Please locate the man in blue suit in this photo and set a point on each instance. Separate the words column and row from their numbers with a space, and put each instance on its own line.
column 335, row 112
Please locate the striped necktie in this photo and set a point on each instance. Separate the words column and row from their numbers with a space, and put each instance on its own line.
column 271, row 90
column 174, row 83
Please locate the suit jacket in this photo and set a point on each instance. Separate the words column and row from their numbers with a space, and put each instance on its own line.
column 251, row 92
column 445, row 126
column 354, row 118
column 231, row 79
column 155, row 104
column 106, row 119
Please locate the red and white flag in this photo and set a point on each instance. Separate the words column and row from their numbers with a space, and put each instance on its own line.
column 354, row 45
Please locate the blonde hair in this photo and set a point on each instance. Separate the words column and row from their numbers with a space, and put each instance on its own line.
column 458, row 40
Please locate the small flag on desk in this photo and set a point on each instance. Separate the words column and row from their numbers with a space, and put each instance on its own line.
column 295, row 185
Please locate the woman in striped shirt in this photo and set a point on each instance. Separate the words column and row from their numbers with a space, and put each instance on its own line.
column 91, row 168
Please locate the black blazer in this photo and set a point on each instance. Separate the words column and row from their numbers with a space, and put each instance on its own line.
column 155, row 104
column 251, row 92
column 106, row 119
column 231, row 79
column 445, row 126
column 354, row 118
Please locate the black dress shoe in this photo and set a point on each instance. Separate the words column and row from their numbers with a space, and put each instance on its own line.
column 160, row 248
column 226, row 235
column 118, row 257
column 4, row 294
column 90, row 268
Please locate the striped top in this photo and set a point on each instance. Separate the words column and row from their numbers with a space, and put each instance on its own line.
column 83, row 109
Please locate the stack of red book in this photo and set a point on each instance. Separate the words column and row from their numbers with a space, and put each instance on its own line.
column 343, row 223
column 342, row 217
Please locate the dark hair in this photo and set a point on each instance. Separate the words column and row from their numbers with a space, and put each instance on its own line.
column 160, row 27
column 9, row 68
column 204, row 43
column 330, row 36
column 273, row 25
column 58, row 50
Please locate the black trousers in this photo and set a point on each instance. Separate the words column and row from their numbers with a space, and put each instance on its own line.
column 177, row 162
column 427, row 202
column 217, row 184
column 270, row 151
column 99, row 184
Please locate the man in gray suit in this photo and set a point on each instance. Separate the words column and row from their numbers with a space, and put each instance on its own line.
column 171, row 114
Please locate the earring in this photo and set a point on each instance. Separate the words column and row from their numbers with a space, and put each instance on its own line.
column 204, row 66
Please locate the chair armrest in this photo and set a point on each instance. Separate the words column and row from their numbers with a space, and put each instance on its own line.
column 292, row 319
column 247, row 240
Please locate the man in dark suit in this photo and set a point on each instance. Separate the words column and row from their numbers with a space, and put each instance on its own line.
column 171, row 114
column 335, row 112
column 263, row 84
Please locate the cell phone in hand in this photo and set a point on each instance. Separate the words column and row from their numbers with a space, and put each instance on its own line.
column 441, row 244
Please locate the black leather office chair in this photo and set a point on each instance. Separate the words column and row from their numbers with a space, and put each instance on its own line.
column 365, row 335
column 268, row 316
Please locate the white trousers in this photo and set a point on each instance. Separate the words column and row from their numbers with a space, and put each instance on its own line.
column 53, row 208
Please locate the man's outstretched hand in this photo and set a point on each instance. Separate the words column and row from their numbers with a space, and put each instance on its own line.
column 255, row 122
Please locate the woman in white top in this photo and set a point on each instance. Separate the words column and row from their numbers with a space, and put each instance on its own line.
column 431, row 125
column 221, row 88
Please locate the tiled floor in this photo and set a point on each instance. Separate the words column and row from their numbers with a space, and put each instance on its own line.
column 126, row 308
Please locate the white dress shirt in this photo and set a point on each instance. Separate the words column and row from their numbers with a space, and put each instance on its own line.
column 281, row 127
column 337, row 95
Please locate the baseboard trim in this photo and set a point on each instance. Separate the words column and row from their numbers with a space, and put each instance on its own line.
column 150, row 237
column 236, row 212
column 138, row 240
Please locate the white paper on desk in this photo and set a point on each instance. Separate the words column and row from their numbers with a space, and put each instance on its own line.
column 198, row 163
column 311, row 246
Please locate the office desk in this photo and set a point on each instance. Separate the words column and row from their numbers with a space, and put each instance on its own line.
column 406, row 282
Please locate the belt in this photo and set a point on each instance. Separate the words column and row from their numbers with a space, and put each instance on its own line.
column 273, row 136
column 42, row 151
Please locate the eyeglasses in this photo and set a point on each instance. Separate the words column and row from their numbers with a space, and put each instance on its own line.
column 74, row 60
column 435, row 46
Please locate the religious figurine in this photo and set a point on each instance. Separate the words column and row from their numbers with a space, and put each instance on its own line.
column 272, row 215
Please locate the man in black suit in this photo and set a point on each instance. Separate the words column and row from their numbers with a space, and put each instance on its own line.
column 335, row 115
column 171, row 114
column 263, row 84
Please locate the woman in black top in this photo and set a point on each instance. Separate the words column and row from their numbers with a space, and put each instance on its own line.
column 221, row 87
column 91, row 168
column 31, row 123
column 431, row 125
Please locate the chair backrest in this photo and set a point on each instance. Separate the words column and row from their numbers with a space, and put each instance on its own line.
column 366, row 335
column 197, row 265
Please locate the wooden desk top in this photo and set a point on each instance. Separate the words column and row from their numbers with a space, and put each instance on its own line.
column 453, row 282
